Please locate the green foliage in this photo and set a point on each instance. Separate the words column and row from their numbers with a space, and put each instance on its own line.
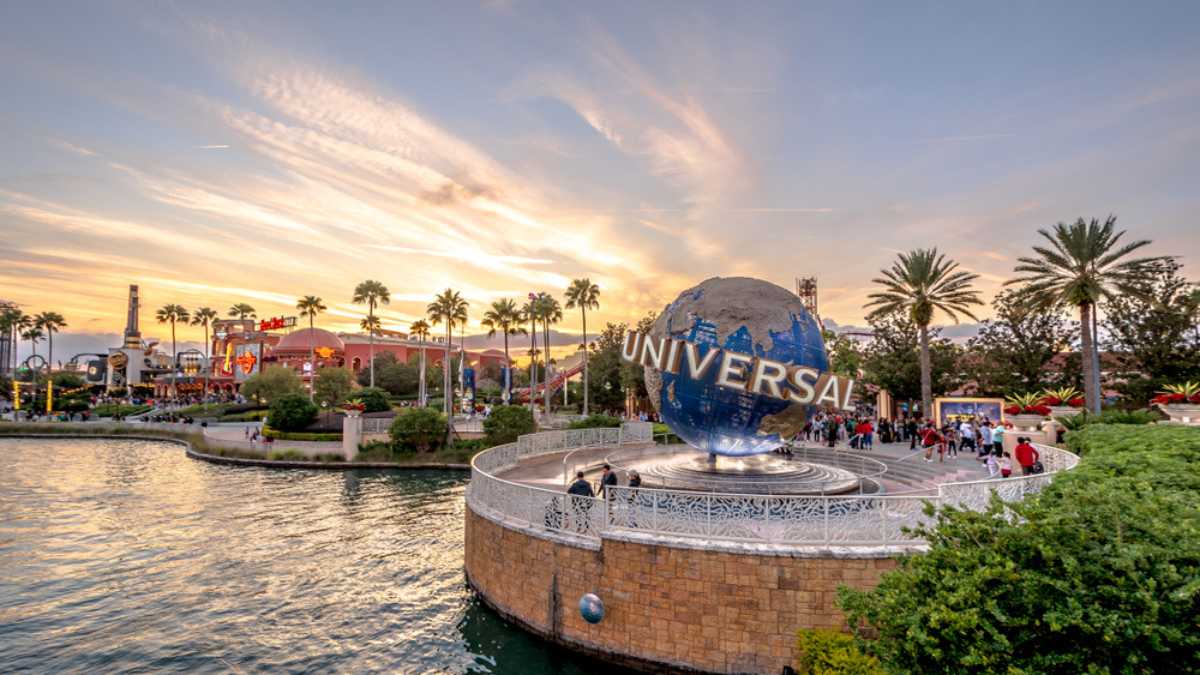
column 664, row 436
column 394, row 377
column 374, row 399
column 892, row 358
column 291, row 412
column 300, row 436
column 270, row 384
column 1097, row 573
column 605, row 390
column 845, row 353
column 246, row 416
column 1011, row 351
column 205, row 410
column 419, row 429
column 596, row 422
column 119, row 409
column 827, row 652
column 1110, row 416
column 331, row 386
column 506, row 423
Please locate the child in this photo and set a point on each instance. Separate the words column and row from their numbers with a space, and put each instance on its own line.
column 992, row 467
column 1006, row 465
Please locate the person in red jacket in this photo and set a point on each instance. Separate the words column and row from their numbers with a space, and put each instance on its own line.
column 1027, row 455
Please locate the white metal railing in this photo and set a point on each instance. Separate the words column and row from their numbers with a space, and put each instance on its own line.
column 750, row 518
column 376, row 425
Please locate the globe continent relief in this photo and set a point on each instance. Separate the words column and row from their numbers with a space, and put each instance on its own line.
column 743, row 315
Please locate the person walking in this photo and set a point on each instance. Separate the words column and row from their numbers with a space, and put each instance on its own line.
column 609, row 477
column 998, row 439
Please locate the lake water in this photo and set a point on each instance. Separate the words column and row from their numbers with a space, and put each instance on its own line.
column 128, row 556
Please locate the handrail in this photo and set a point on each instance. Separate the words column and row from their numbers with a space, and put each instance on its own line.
column 832, row 520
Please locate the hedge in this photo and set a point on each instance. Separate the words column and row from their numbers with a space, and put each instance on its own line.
column 507, row 422
column 1100, row 572
column 110, row 409
column 596, row 422
column 300, row 435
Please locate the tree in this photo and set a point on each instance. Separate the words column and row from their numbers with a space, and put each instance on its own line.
column 291, row 412
column 310, row 306
column 549, row 312
column 242, row 311
column 1157, row 333
column 891, row 360
column 920, row 283
column 50, row 322
column 604, row 386
column 529, row 312
column 373, row 399
column 12, row 322
column 446, row 308
column 419, row 429
column 204, row 317
column 585, row 295
column 1011, row 352
column 1084, row 263
column 506, row 423
column 171, row 314
column 845, row 354
column 371, row 293
column 331, row 386
column 271, row 383
column 420, row 330
column 33, row 334
column 504, row 317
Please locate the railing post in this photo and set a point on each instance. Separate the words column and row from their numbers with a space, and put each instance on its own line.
column 825, row 529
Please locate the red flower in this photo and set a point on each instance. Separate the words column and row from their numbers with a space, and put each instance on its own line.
column 1161, row 399
column 1195, row 398
column 1012, row 410
column 1042, row 410
column 1076, row 402
column 1051, row 400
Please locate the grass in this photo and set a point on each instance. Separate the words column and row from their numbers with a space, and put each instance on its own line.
column 301, row 436
column 110, row 409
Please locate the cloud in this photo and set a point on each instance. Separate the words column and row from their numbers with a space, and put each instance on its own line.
column 71, row 147
column 212, row 147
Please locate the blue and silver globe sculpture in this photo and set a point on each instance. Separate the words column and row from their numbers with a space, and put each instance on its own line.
column 591, row 608
column 744, row 315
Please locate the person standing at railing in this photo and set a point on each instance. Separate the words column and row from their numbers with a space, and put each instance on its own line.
column 1027, row 457
column 609, row 477
column 580, row 487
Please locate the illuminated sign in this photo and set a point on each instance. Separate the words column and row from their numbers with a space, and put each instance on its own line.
column 277, row 323
column 324, row 352
column 740, row 372
column 248, row 361
column 118, row 360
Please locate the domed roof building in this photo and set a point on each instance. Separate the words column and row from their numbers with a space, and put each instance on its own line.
column 293, row 350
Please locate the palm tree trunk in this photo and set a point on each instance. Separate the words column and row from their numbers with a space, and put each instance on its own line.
column 207, row 360
column 312, row 360
column 446, row 395
column 174, row 362
column 533, row 367
column 371, row 340
column 546, row 359
column 504, row 393
column 926, row 376
column 585, row 363
column 49, row 349
column 1091, row 373
column 421, row 387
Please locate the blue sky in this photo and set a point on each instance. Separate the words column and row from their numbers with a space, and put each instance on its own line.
column 224, row 152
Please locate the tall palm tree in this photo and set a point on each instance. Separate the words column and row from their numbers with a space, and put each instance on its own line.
column 371, row 293
column 919, row 283
column 20, row 323
column 32, row 334
column 1084, row 263
column 170, row 314
column 460, row 318
column 242, row 311
column 529, row 312
column 506, row 318
column 8, row 317
column 49, row 322
column 446, row 308
column 585, row 295
column 311, row 306
column 420, row 330
column 204, row 317
column 371, row 324
column 550, row 312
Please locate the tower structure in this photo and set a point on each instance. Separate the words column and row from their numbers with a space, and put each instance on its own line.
column 806, row 288
column 133, row 337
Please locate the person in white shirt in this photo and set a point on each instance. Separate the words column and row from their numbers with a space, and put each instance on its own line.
column 968, row 435
column 985, row 436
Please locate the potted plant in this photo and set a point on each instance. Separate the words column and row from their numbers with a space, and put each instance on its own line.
column 353, row 408
column 1063, row 402
column 1026, row 411
column 1181, row 402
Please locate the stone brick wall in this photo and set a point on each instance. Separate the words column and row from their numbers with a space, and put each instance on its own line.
column 687, row 608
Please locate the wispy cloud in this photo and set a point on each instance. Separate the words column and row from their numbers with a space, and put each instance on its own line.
column 71, row 147
column 212, row 147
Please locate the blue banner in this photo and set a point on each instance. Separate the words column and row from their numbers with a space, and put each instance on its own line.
column 468, row 381
column 505, row 384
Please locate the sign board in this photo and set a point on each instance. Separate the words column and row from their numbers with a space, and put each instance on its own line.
column 957, row 409
column 247, row 362
column 468, row 381
column 277, row 323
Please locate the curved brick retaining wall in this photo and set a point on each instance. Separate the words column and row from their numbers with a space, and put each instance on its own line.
column 687, row 608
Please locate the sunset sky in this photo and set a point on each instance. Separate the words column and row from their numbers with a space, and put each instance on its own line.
column 225, row 152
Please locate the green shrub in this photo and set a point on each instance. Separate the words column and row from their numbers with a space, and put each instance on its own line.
column 255, row 415
column 1097, row 573
column 663, row 435
column 827, row 652
column 288, row 456
column 300, row 436
column 1110, row 416
column 596, row 421
column 291, row 412
column 419, row 429
column 272, row 383
column 471, row 445
column 112, row 409
column 373, row 398
column 506, row 423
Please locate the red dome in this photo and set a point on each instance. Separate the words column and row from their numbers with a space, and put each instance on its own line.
column 310, row 338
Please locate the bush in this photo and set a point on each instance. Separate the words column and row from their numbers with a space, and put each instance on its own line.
column 507, row 422
column 254, row 415
column 272, row 383
column 292, row 412
column 1097, row 573
column 420, row 429
column 300, row 435
column 111, row 409
column 595, row 422
column 1110, row 416
column 664, row 436
column 331, row 386
column 374, row 399
column 827, row 652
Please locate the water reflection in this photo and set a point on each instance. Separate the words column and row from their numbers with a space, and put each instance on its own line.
column 126, row 555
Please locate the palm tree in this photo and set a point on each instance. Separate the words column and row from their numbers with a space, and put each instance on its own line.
column 585, row 295
column 420, row 330
column 242, row 311
column 204, row 317
column 33, row 334
column 311, row 306
column 371, row 293
column 49, row 322
column 550, row 312
column 529, row 312
column 8, row 317
column 919, row 283
column 371, row 324
column 447, row 307
column 506, row 318
column 1082, row 265
column 171, row 314
column 20, row 323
